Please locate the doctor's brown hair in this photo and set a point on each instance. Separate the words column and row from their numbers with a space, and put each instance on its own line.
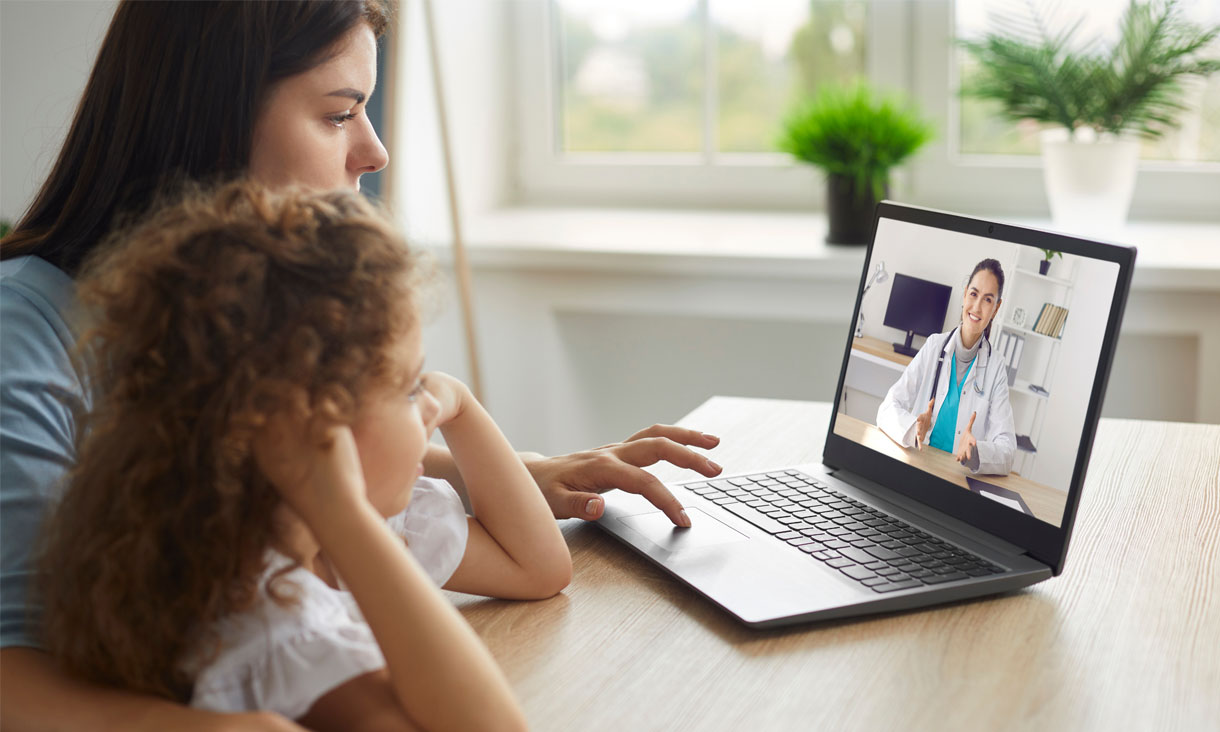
column 992, row 266
column 173, row 97
column 210, row 316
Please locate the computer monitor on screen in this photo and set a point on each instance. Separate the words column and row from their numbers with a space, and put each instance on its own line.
column 918, row 307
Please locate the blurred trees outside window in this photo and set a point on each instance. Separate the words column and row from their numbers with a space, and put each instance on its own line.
column 689, row 76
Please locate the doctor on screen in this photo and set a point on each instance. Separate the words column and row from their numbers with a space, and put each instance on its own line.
column 954, row 393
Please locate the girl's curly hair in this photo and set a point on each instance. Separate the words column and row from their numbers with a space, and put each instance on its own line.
column 206, row 318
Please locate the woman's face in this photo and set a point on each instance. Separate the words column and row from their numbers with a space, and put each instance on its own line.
column 392, row 430
column 312, row 128
column 979, row 304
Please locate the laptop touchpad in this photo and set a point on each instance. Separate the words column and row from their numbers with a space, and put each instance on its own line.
column 704, row 530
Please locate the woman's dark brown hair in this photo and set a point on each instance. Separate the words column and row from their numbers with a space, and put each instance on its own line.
column 211, row 315
column 173, row 97
column 992, row 266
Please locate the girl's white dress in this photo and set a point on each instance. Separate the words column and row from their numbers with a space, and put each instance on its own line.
column 282, row 659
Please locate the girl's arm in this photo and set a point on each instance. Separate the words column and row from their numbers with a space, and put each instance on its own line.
column 515, row 549
column 439, row 670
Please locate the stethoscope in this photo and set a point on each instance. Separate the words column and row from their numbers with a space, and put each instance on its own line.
column 978, row 389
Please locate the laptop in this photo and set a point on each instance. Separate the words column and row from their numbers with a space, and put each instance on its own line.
column 881, row 525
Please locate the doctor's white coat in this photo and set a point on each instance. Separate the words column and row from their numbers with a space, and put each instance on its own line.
column 993, row 428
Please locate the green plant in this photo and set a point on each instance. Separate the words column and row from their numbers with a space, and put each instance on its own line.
column 1053, row 78
column 1049, row 254
column 855, row 132
column 5, row 228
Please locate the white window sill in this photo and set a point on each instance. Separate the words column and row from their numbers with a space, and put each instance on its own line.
column 1182, row 256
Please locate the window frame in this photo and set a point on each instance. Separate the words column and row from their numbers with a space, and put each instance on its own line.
column 543, row 175
column 910, row 49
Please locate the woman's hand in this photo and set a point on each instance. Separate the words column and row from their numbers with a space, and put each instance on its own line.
column 257, row 722
column 923, row 423
column 968, row 445
column 571, row 483
column 312, row 462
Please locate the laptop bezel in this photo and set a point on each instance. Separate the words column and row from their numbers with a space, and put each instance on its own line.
column 1043, row 541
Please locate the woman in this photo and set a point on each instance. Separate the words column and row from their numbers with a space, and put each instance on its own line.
column 205, row 92
column 954, row 394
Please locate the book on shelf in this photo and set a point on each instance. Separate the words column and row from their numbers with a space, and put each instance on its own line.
column 1050, row 320
column 1063, row 316
column 1038, row 321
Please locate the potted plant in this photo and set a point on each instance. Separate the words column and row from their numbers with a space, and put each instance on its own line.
column 856, row 136
column 1095, row 102
column 1044, row 266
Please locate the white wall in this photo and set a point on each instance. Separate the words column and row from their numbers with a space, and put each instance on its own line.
column 1076, row 365
column 937, row 256
column 47, row 48
column 472, row 49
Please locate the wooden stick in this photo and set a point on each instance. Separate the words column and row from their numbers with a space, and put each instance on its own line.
column 461, row 266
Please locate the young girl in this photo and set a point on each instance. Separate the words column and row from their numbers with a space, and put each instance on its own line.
column 246, row 526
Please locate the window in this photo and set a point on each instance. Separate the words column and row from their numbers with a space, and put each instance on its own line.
column 678, row 103
column 686, row 76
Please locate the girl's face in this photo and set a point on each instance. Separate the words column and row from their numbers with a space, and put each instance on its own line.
column 393, row 428
column 979, row 304
column 312, row 129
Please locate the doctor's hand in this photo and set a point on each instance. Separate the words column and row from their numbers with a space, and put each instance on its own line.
column 968, row 444
column 923, row 423
column 571, row 483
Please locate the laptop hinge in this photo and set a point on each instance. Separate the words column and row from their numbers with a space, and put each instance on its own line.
column 927, row 513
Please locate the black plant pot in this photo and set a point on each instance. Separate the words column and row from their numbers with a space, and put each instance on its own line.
column 1044, row 266
column 850, row 211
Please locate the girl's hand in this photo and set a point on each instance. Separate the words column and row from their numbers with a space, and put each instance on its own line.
column 451, row 394
column 312, row 463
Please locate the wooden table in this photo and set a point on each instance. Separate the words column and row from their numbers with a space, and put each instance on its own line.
column 1046, row 502
column 1127, row 638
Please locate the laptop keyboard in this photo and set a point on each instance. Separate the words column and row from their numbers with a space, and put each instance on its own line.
column 870, row 546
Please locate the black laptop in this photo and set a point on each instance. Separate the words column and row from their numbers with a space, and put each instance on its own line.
column 881, row 524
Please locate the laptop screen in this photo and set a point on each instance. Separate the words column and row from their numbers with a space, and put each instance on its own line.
column 990, row 393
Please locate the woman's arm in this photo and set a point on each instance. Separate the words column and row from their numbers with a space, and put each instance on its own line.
column 36, row 696
column 40, row 394
column 515, row 549
column 897, row 417
column 439, row 670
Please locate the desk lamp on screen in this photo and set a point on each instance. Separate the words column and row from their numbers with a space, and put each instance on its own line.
column 918, row 307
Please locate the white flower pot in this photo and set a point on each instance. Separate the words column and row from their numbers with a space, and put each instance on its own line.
column 1089, row 181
